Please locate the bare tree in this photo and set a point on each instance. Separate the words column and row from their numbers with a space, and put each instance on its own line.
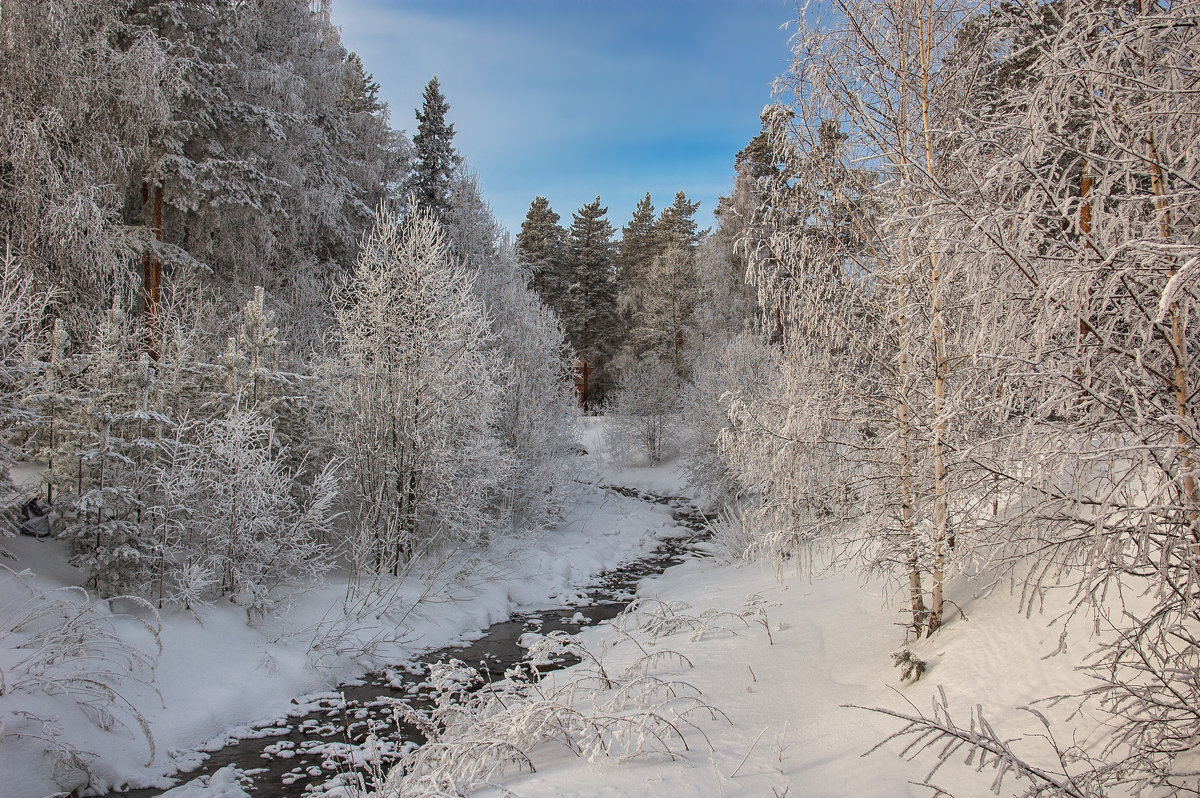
column 415, row 394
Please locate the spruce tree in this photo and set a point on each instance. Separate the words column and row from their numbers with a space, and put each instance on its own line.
column 591, row 312
column 436, row 160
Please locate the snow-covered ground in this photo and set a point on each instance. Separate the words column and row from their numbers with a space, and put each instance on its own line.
column 789, row 731
column 217, row 673
column 782, row 673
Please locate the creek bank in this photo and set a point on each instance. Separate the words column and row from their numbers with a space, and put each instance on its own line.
column 328, row 733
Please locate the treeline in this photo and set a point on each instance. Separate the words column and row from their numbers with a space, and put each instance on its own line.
column 253, row 331
column 621, row 301
column 972, row 234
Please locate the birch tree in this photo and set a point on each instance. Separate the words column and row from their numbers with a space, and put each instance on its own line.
column 1083, row 215
column 855, row 275
column 413, row 389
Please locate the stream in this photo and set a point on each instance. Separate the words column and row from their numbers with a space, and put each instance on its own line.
column 324, row 734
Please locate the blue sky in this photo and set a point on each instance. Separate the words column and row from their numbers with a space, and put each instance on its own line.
column 573, row 98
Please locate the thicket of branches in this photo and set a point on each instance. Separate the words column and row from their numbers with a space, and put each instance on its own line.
column 243, row 350
column 972, row 233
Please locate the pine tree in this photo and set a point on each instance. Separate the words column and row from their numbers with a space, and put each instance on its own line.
column 436, row 160
column 659, row 286
column 591, row 308
column 639, row 243
column 677, row 224
column 541, row 248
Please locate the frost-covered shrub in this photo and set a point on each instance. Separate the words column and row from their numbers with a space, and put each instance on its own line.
column 643, row 415
column 60, row 650
column 476, row 733
column 227, row 520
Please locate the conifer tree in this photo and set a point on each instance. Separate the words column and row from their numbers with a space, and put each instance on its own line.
column 677, row 224
column 659, row 286
column 639, row 243
column 541, row 248
column 591, row 308
column 436, row 159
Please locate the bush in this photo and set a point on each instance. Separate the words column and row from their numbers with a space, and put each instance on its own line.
column 644, row 413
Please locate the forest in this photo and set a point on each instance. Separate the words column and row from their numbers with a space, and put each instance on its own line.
column 256, row 342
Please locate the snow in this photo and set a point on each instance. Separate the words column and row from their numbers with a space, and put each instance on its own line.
column 785, row 693
column 791, row 731
column 218, row 674
column 224, row 783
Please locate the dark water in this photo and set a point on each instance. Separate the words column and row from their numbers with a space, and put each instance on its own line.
column 293, row 756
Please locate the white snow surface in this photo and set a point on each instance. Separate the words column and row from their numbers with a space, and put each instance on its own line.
column 219, row 674
column 790, row 732
column 831, row 637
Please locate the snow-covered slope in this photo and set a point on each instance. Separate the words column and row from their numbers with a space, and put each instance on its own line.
column 218, row 672
column 790, row 732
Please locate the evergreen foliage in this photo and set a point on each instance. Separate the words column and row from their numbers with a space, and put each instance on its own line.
column 590, row 317
column 640, row 242
column 435, row 160
column 541, row 248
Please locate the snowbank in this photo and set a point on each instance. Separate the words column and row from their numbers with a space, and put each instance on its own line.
column 217, row 672
column 785, row 694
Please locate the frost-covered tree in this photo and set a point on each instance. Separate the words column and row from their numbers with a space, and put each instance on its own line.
column 361, row 90
column 676, row 224
column 873, row 303
column 81, row 92
column 644, row 412
column 658, row 282
column 435, row 160
column 274, row 158
column 728, row 371
column 534, row 423
column 639, row 241
column 639, row 246
column 1086, row 226
column 415, row 396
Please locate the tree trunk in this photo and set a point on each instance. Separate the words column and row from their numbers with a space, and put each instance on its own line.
column 941, row 514
column 152, row 271
column 1179, row 351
